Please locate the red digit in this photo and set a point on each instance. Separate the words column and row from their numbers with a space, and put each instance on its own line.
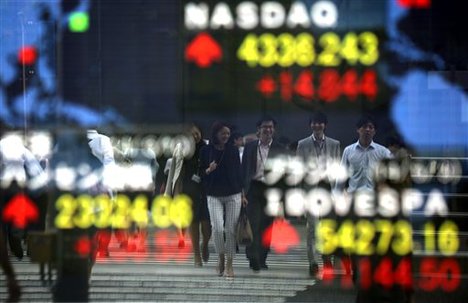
column 329, row 88
column 285, row 80
column 403, row 274
column 365, row 269
column 383, row 273
column 162, row 251
column 167, row 251
column 304, row 86
column 140, row 245
column 429, row 275
column 368, row 84
column 450, row 272
column 349, row 86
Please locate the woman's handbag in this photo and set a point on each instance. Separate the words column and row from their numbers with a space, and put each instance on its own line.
column 244, row 231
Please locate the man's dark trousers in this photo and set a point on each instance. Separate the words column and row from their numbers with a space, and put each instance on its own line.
column 259, row 221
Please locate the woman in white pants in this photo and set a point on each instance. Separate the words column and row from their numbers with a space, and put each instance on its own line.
column 221, row 176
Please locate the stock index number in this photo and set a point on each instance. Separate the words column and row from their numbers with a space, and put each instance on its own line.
column 85, row 211
column 365, row 237
column 285, row 49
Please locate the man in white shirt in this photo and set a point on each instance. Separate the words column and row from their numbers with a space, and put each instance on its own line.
column 238, row 141
column 360, row 160
column 18, row 162
column 101, row 147
column 362, row 157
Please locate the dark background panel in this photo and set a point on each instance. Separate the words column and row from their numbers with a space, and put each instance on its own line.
column 128, row 59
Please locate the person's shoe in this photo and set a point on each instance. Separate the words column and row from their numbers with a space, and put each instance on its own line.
column 254, row 266
column 313, row 270
column 229, row 270
column 220, row 266
column 264, row 266
column 197, row 260
column 205, row 252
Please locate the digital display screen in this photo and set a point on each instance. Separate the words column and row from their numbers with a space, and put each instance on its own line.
column 106, row 107
column 283, row 56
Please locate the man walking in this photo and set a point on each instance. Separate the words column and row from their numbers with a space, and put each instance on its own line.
column 256, row 153
column 361, row 158
column 318, row 152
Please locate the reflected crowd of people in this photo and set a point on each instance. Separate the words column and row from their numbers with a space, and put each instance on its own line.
column 220, row 174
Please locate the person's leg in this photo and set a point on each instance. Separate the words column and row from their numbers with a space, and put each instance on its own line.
column 266, row 222
column 233, row 206
column 195, row 237
column 204, row 217
column 142, row 235
column 312, row 253
column 122, row 237
column 327, row 269
column 103, row 237
column 93, row 235
column 206, row 233
column 12, row 235
column 181, row 237
column 14, row 240
column 216, row 209
column 254, row 210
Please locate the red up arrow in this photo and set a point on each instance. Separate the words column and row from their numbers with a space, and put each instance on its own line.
column 281, row 236
column 203, row 50
column 20, row 210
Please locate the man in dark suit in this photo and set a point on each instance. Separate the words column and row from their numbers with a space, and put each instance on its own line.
column 318, row 152
column 256, row 153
